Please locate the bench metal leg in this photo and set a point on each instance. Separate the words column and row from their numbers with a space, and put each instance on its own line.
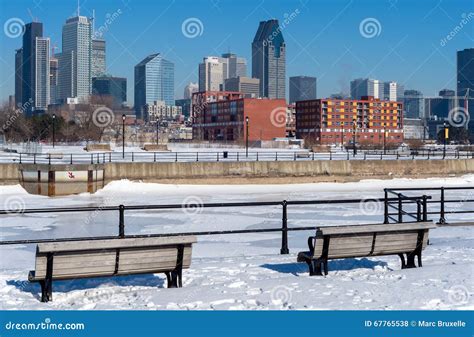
column 47, row 284
column 174, row 281
column 315, row 267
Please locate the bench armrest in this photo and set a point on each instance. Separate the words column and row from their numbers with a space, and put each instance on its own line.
column 311, row 241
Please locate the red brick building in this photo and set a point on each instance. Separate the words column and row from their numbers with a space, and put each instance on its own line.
column 328, row 121
column 221, row 116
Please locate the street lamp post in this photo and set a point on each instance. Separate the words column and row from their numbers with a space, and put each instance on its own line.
column 123, row 136
column 354, row 128
column 446, row 136
column 157, row 132
column 384, row 141
column 54, row 129
column 247, row 136
column 342, row 136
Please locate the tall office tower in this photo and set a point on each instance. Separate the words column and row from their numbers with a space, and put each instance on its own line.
column 32, row 31
column 235, row 66
column 211, row 74
column 190, row 89
column 53, row 79
column 268, row 59
column 18, row 77
column 98, row 62
column 42, row 79
column 389, row 91
column 154, row 81
column 75, row 59
column 302, row 88
column 413, row 104
column 465, row 72
column 366, row 87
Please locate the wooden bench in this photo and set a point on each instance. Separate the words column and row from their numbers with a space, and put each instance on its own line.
column 69, row 260
column 339, row 242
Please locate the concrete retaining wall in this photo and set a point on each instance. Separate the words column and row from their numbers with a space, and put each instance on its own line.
column 356, row 169
column 9, row 174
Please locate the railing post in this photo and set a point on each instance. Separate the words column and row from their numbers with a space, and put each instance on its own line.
column 20, row 157
column 442, row 218
column 284, row 230
column 133, row 156
column 49, row 159
column 34, row 158
column 176, row 157
column 385, row 207
column 92, row 158
column 257, row 155
column 294, row 156
column 154, row 157
column 217, row 156
column 313, row 156
column 330, row 155
column 425, row 208
column 365, row 155
column 237, row 155
column 71, row 159
column 276, row 156
column 418, row 210
column 121, row 221
column 347, row 155
column 400, row 208
column 110, row 157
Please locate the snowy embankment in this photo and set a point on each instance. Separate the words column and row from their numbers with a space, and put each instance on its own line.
column 241, row 271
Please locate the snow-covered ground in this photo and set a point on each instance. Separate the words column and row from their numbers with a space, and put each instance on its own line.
column 242, row 271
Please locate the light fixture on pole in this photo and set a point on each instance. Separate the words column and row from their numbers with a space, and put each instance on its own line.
column 247, row 136
column 54, row 129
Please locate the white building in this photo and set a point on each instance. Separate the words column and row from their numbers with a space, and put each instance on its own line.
column 211, row 74
column 75, row 59
column 158, row 110
column 190, row 89
column 42, row 79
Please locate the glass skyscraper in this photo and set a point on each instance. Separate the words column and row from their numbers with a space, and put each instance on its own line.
column 302, row 88
column 154, row 81
column 75, row 59
column 465, row 72
column 269, row 59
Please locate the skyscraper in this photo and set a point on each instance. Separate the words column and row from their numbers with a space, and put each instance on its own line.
column 32, row 31
column 302, row 88
column 154, row 81
column 75, row 59
column 53, row 82
column 98, row 62
column 250, row 87
column 465, row 72
column 366, row 87
column 413, row 104
column 235, row 66
column 190, row 89
column 211, row 74
column 18, row 76
column 269, row 59
column 42, row 77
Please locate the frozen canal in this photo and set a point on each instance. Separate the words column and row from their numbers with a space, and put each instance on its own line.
column 242, row 271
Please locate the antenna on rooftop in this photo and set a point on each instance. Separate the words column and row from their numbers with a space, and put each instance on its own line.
column 78, row 8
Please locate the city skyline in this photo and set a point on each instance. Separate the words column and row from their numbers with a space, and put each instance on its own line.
column 347, row 59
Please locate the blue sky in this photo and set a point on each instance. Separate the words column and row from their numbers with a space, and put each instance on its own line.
column 323, row 37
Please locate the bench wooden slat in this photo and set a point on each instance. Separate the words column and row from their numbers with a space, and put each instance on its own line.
column 113, row 244
column 353, row 229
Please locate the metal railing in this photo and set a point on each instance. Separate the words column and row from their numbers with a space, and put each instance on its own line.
column 422, row 205
column 121, row 209
column 216, row 156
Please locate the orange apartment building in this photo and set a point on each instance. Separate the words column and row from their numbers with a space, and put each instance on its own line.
column 221, row 116
column 334, row 121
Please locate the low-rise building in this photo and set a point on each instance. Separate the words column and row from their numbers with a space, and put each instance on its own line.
column 222, row 116
column 158, row 110
column 333, row 121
